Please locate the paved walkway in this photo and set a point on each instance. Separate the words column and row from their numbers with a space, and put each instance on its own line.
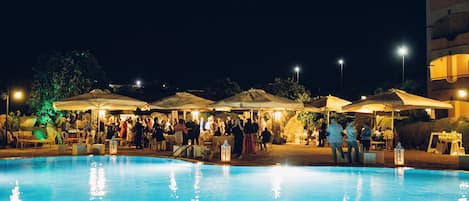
column 291, row 154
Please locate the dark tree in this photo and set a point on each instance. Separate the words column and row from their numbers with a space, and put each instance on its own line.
column 222, row 88
column 288, row 88
column 60, row 75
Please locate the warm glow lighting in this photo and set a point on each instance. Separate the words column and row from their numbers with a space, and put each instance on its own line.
column 363, row 97
column 429, row 111
column 225, row 152
column 399, row 155
column 18, row 95
column 402, row 51
column 277, row 115
column 195, row 115
column 102, row 113
column 113, row 147
column 462, row 93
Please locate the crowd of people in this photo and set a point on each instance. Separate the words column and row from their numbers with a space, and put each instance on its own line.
column 335, row 134
column 150, row 132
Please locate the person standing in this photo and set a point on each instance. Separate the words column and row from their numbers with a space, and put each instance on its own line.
column 196, row 130
column 388, row 137
column 180, row 130
column 309, row 135
column 352, row 142
column 322, row 132
column 158, row 136
column 335, row 139
column 138, row 133
column 250, row 133
column 265, row 138
column 238, row 138
column 366, row 137
column 229, row 126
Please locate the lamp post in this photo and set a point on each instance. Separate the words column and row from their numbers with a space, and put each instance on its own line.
column 341, row 63
column 297, row 70
column 402, row 51
column 16, row 95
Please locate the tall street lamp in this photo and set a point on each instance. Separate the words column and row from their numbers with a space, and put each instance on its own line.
column 297, row 70
column 341, row 63
column 402, row 51
column 17, row 95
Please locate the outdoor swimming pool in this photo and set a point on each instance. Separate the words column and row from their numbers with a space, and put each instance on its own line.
column 147, row 178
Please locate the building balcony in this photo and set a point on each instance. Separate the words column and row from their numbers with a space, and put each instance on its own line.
column 443, row 90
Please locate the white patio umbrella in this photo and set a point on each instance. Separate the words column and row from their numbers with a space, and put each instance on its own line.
column 395, row 100
column 326, row 104
column 99, row 99
column 181, row 101
column 256, row 99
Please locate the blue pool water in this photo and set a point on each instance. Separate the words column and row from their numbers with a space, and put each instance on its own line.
column 146, row 178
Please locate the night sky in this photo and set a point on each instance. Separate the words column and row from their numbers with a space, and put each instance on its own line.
column 192, row 43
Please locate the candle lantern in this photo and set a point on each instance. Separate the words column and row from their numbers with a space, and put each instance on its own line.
column 399, row 155
column 225, row 152
column 113, row 146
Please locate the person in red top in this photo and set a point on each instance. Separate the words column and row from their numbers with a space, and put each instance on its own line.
column 123, row 131
column 180, row 130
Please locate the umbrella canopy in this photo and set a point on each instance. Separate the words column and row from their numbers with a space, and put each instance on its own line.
column 98, row 99
column 395, row 100
column 181, row 101
column 326, row 103
column 256, row 99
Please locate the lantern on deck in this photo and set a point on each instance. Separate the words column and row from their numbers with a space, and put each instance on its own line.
column 113, row 146
column 225, row 152
column 399, row 155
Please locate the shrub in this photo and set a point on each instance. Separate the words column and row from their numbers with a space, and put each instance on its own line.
column 416, row 134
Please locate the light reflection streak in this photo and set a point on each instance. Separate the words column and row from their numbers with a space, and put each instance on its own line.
column 276, row 181
column 400, row 172
column 463, row 186
column 97, row 181
column 226, row 170
column 172, row 183
column 358, row 196
column 197, row 177
column 15, row 193
column 113, row 159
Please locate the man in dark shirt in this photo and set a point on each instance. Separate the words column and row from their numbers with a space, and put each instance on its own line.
column 265, row 138
column 322, row 132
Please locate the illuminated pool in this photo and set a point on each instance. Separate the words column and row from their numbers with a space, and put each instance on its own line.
column 145, row 178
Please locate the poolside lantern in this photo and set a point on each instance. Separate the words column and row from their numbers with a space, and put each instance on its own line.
column 225, row 152
column 399, row 155
column 113, row 146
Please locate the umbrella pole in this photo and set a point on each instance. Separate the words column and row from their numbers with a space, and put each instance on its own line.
column 328, row 117
column 97, row 118
column 392, row 120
